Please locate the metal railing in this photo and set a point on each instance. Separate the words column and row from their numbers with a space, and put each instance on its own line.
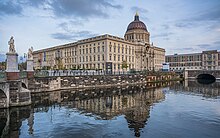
column 51, row 73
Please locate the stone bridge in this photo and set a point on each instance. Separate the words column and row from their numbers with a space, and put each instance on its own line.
column 4, row 94
column 14, row 93
column 195, row 74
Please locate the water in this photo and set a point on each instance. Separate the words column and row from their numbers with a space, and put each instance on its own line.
column 182, row 109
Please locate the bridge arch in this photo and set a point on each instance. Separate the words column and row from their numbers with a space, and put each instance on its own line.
column 24, row 85
column 206, row 76
column 3, row 99
column 4, row 95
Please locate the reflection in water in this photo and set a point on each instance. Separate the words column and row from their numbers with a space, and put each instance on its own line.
column 105, row 104
column 102, row 112
column 206, row 90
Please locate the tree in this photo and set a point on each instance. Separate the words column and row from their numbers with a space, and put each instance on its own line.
column 124, row 65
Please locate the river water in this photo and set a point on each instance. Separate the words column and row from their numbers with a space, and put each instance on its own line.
column 175, row 109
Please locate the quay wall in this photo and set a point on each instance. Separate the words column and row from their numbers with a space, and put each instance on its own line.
column 42, row 84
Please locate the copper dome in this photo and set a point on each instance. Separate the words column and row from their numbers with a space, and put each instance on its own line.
column 136, row 24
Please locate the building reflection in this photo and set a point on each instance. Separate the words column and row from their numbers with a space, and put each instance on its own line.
column 133, row 102
column 194, row 87
column 11, row 121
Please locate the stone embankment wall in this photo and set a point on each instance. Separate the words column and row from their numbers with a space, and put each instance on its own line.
column 78, row 82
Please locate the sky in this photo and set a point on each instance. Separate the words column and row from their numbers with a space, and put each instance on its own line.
column 179, row 26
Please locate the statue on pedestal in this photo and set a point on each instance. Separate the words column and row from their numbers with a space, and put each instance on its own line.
column 11, row 45
column 30, row 53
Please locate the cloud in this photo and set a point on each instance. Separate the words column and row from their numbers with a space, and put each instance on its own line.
column 166, row 34
column 82, row 8
column 73, row 35
column 212, row 46
column 165, row 26
column 8, row 7
column 200, row 18
column 203, row 45
column 185, row 25
column 62, row 8
column 212, row 14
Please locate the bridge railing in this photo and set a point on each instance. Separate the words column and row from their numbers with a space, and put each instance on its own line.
column 2, row 76
column 50, row 73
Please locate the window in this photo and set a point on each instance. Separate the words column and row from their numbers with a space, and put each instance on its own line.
column 103, row 57
column 110, row 49
column 86, row 50
column 103, row 49
column 118, row 57
column 90, row 50
column 94, row 49
column 94, row 58
column 90, row 58
column 110, row 57
column 98, row 48
column 83, row 51
column 98, row 57
column 118, row 49
column 114, row 57
column 114, row 48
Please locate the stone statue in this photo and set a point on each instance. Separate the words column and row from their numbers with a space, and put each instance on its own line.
column 11, row 45
column 30, row 53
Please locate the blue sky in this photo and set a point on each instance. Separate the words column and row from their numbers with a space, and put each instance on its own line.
column 179, row 26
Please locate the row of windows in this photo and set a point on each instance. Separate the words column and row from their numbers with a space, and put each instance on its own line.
column 185, row 64
column 127, row 50
column 92, row 58
column 183, row 58
column 121, row 58
column 94, row 44
column 90, row 50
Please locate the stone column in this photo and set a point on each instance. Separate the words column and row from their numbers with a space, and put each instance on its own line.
column 30, row 70
column 12, row 72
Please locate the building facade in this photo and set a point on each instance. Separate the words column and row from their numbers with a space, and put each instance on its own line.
column 207, row 60
column 105, row 52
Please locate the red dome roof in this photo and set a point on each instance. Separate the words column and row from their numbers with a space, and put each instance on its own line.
column 136, row 24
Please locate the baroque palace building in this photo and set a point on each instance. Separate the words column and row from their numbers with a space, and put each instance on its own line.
column 105, row 52
column 206, row 60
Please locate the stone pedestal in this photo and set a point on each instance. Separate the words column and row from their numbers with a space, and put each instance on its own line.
column 12, row 72
column 30, row 70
